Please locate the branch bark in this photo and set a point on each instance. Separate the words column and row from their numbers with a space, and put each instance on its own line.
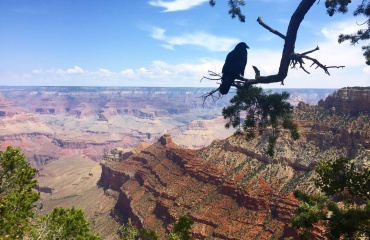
column 289, row 58
column 259, row 20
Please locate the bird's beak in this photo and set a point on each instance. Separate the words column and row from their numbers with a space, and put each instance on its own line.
column 247, row 47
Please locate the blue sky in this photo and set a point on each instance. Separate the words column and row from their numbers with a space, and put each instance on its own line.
column 164, row 43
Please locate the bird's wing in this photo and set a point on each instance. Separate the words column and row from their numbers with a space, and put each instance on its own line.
column 235, row 63
column 243, row 62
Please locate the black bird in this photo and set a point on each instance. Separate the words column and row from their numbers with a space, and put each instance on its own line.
column 234, row 66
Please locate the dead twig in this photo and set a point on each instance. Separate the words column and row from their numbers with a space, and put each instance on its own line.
column 210, row 94
column 297, row 58
column 259, row 20
column 212, row 74
column 214, row 77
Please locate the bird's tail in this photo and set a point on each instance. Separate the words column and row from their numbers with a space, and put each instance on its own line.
column 226, row 83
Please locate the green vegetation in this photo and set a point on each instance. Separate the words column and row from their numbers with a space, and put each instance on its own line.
column 363, row 34
column 343, row 207
column 262, row 110
column 17, row 196
column 17, row 200
column 180, row 231
column 62, row 223
column 17, row 216
column 131, row 232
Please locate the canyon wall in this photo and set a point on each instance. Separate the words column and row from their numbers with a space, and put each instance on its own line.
column 231, row 188
column 50, row 122
column 348, row 101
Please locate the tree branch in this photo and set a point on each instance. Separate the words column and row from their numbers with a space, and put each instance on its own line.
column 259, row 20
column 298, row 58
column 289, row 58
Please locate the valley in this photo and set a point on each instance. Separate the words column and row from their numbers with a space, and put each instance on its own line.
column 133, row 152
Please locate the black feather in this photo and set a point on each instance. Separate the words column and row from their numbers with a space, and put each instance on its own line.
column 234, row 66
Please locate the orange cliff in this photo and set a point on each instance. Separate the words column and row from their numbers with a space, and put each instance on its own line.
column 231, row 188
column 229, row 192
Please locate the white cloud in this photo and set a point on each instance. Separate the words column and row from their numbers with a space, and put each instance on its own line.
column 143, row 70
column 76, row 69
column 161, row 73
column 337, row 54
column 37, row 71
column 158, row 33
column 105, row 72
column 208, row 41
column 59, row 71
column 188, row 74
column 366, row 70
column 158, row 73
column 128, row 73
column 176, row 5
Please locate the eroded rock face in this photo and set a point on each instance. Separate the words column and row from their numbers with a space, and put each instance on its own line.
column 231, row 188
column 348, row 101
column 230, row 191
column 50, row 122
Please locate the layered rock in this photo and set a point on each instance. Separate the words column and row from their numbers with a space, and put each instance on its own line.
column 50, row 122
column 348, row 101
column 229, row 190
column 91, row 120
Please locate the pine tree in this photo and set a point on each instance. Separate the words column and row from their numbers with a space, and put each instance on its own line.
column 262, row 110
column 343, row 207
column 17, row 196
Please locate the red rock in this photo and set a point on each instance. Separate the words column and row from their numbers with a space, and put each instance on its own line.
column 164, row 182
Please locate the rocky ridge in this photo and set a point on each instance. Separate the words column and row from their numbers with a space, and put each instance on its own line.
column 230, row 191
column 348, row 101
column 231, row 188
column 50, row 122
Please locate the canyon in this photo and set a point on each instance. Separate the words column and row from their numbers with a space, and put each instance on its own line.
column 232, row 188
column 155, row 154
column 51, row 122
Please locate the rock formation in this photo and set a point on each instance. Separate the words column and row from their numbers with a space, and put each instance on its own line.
column 231, row 188
column 50, row 122
column 348, row 101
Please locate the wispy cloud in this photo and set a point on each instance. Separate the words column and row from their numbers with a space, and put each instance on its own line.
column 188, row 74
column 208, row 41
column 176, row 5
column 158, row 73
column 76, row 69
column 59, row 71
column 161, row 73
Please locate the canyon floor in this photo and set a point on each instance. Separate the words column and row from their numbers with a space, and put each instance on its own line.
column 74, row 181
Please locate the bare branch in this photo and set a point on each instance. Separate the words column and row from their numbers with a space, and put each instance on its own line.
column 217, row 76
column 213, row 74
column 210, row 94
column 256, row 71
column 289, row 58
column 259, row 20
column 298, row 58
column 311, row 51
